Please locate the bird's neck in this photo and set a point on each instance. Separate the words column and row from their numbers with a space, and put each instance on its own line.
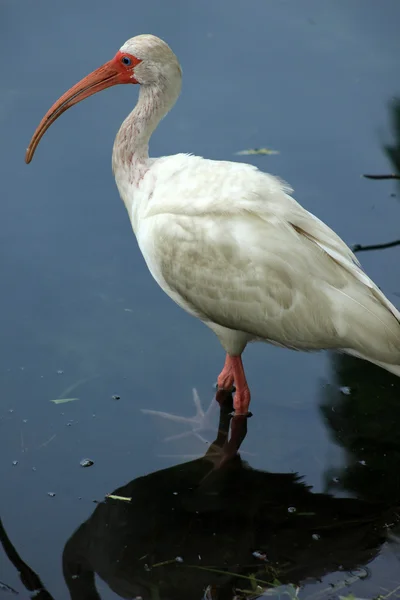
column 131, row 147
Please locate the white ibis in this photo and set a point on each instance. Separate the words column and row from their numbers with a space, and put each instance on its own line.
column 227, row 242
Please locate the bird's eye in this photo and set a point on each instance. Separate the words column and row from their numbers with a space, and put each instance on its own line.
column 126, row 61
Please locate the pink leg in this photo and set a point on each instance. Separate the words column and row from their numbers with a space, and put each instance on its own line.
column 225, row 378
column 242, row 396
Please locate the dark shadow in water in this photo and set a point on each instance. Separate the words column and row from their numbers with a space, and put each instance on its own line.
column 393, row 153
column 393, row 150
column 364, row 419
column 214, row 513
column 28, row 577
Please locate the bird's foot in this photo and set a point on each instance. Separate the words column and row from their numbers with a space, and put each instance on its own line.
column 228, row 390
column 225, row 378
column 243, row 415
column 241, row 402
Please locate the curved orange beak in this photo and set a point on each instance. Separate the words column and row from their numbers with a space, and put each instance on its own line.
column 104, row 77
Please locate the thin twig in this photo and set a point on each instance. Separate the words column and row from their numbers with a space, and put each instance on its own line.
column 390, row 593
column 48, row 441
column 231, row 574
column 72, row 387
column 360, row 248
column 390, row 176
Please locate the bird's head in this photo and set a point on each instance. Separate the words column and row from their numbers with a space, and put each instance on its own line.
column 144, row 59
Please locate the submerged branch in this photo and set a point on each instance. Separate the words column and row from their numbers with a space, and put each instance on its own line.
column 360, row 248
column 390, row 176
column 29, row 578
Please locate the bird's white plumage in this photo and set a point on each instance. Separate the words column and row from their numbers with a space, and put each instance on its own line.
column 231, row 246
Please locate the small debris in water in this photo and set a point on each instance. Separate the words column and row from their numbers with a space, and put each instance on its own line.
column 335, row 479
column 362, row 462
column 116, row 397
column 33, row 468
column 175, row 493
column 316, row 536
column 146, row 567
column 257, row 151
column 345, row 390
column 14, row 462
column 260, row 555
column 60, row 372
column 86, row 462
column 10, row 410
column 24, row 420
column 51, row 494
column 63, row 400
column 291, row 509
column 74, row 576
column 179, row 559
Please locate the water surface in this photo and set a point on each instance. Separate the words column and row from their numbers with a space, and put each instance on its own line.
column 82, row 318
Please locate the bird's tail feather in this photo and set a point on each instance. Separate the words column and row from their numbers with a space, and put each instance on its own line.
column 395, row 369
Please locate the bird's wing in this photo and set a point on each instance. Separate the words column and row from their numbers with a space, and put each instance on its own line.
column 248, row 257
column 273, row 280
column 325, row 238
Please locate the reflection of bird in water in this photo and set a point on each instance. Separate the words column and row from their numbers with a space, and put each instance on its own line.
column 227, row 242
column 223, row 519
column 363, row 417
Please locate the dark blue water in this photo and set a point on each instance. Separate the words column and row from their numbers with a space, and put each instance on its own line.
column 82, row 318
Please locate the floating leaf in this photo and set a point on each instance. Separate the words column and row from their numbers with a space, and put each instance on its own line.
column 262, row 151
column 63, row 400
column 123, row 498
